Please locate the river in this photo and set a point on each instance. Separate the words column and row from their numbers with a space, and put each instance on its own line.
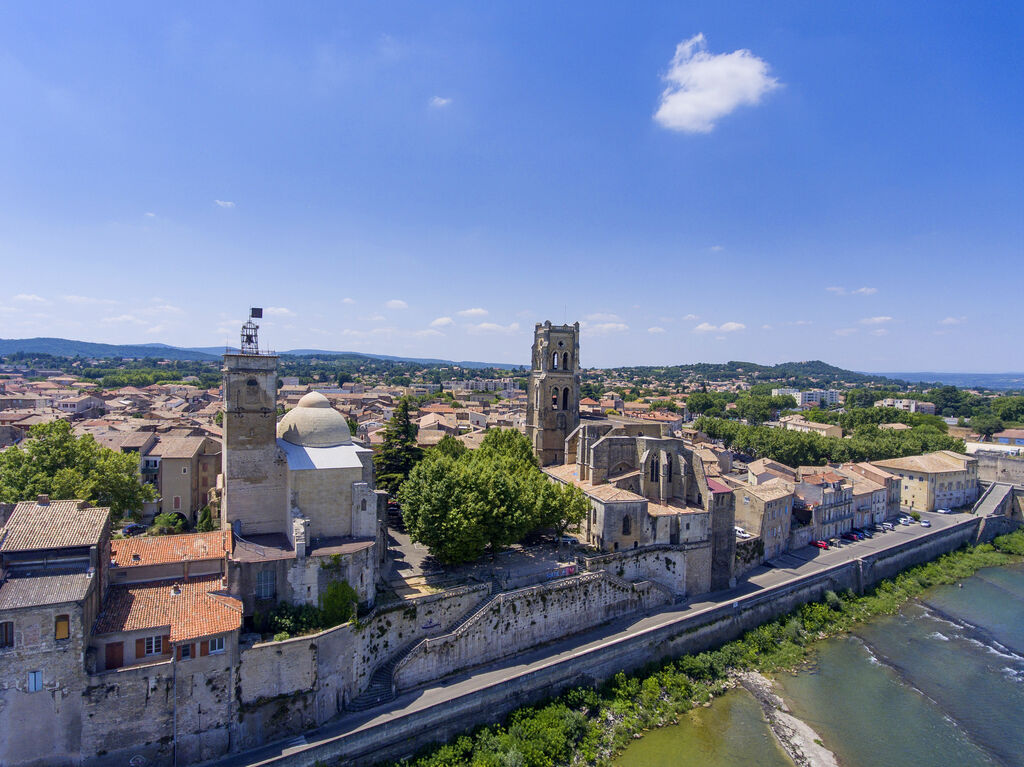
column 940, row 683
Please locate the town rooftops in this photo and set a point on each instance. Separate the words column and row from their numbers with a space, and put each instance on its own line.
column 192, row 547
column 772, row 490
column 929, row 463
column 191, row 609
column 177, row 447
column 1009, row 434
column 44, row 590
column 53, row 525
column 715, row 486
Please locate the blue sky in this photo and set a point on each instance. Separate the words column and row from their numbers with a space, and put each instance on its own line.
column 692, row 181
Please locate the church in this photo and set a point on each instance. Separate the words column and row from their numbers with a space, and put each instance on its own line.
column 297, row 495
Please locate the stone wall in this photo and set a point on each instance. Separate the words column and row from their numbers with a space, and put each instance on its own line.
column 669, row 566
column 517, row 620
column 286, row 687
column 1000, row 467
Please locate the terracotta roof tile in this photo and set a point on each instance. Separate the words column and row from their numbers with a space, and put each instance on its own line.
column 201, row 609
column 138, row 552
column 55, row 525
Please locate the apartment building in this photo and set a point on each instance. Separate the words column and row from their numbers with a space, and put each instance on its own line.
column 907, row 405
column 766, row 510
column 824, row 501
column 941, row 480
column 796, row 423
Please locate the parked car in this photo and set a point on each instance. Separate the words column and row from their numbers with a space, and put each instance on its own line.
column 820, row 544
column 849, row 536
column 865, row 532
column 945, row 511
column 888, row 526
column 904, row 520
column 925, row 523
column 568, row 540
column 133, row 529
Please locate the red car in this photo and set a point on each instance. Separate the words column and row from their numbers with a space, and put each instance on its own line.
column 820, row 544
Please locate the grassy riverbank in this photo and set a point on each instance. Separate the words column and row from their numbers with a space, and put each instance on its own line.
column 588, row 727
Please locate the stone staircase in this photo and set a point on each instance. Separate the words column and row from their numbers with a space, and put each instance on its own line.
column 382, row 685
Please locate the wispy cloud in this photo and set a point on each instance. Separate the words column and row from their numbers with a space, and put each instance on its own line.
column 879, row 332
column 279, row 311
column 953, row 320
column 725, row 327
column 123, row 319
column 690, row 318
column 396, row 303
column 88, row 300
column 716, row 248
column 30, row 298
column 442, row 322
column 224, row 203
column 841, row 291
column 439, row 102
column 846, row 331
column 427, row 333
column 603, row 328
column 656, row 329
column 875, row 320
column 149, row 214
column 705, row 87
column 348, row 300
column 475, row 312
column 603, row 317
column 493, row 327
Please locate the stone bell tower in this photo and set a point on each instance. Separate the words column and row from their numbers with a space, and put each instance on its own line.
column 553, row 393
column 254, row 467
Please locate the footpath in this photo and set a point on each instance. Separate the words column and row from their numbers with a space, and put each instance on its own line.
column 356, row 737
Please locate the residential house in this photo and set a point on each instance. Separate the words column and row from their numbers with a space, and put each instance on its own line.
column 941, row 480
column 766, row 510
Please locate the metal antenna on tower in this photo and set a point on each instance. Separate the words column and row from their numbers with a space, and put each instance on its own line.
column 250, row 337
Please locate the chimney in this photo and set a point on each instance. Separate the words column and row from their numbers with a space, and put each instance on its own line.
column 176, row 590
column 43, row 499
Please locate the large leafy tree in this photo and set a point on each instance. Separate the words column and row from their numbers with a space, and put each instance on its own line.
column 461, row 503
column 54, row 461
column 399, row 452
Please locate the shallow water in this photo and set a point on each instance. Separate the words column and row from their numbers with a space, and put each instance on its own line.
column 941, row 683
column 727, row 733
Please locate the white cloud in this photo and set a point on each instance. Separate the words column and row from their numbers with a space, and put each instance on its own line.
column 442, row 322
column 800, row 322
column 690, row 318
column 716, row 248
column 953, row 320
column 725, row 327
column 704, row 87
column 30, row 298
column 279, row 311
column 149, row 214
column 655, row 330
column 122, row 319
column 608, row 327
column 475, row 312
column 603, row 317
column 428, row 332
column 439, row 102
column 396, row 303
column 875, row 320
column 879, row 332
column 376, row 318
column 865, row 291
column 493, row 327
column 846, row 331
column 348, row 300
column 840, row 291
column 224, row 203
column 87, row 300
column 766, row 327
column 837, row 290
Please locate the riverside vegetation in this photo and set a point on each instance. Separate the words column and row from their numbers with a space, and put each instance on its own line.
column 587, row 726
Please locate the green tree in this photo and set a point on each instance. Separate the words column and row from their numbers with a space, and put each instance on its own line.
column 205, row 522
column 56, row 462
column 398, row 453
column 451, row 447
column 986, row 424
column 167, row 524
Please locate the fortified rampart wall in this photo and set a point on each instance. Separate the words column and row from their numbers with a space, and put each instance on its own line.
column 517, row 620
column 693, row 632
column 665, row 565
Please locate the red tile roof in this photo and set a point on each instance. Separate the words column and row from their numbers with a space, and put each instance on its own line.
column 201, row 609
column 137, row 552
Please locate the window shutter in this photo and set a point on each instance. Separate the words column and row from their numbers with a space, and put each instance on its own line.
column 204, row 648
column 166, row 645
column 140, row 648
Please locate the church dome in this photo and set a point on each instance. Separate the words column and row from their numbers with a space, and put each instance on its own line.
column 314, row 423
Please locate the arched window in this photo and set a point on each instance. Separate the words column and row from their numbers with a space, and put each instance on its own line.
column 554, row 361
column 565, row 398
column 668, row 469
column 554, row 398
column 565, row 360
column 654, row 470
column 627, row 526
column 362, row 506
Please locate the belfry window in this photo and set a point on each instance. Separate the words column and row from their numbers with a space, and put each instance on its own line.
column 668, row 470
column 654, row 470
column 554, row 361
column 627, row 526
column 565, row 398
column 554, row 397
column 565, row 360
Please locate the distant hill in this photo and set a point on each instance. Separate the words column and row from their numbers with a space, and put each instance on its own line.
column 994, row 381
column 63, row 347
column 813, row 370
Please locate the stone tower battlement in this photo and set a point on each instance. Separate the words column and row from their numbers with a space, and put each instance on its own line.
column 553, row 392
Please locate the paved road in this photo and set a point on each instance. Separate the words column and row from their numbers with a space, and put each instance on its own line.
column 788, row 567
